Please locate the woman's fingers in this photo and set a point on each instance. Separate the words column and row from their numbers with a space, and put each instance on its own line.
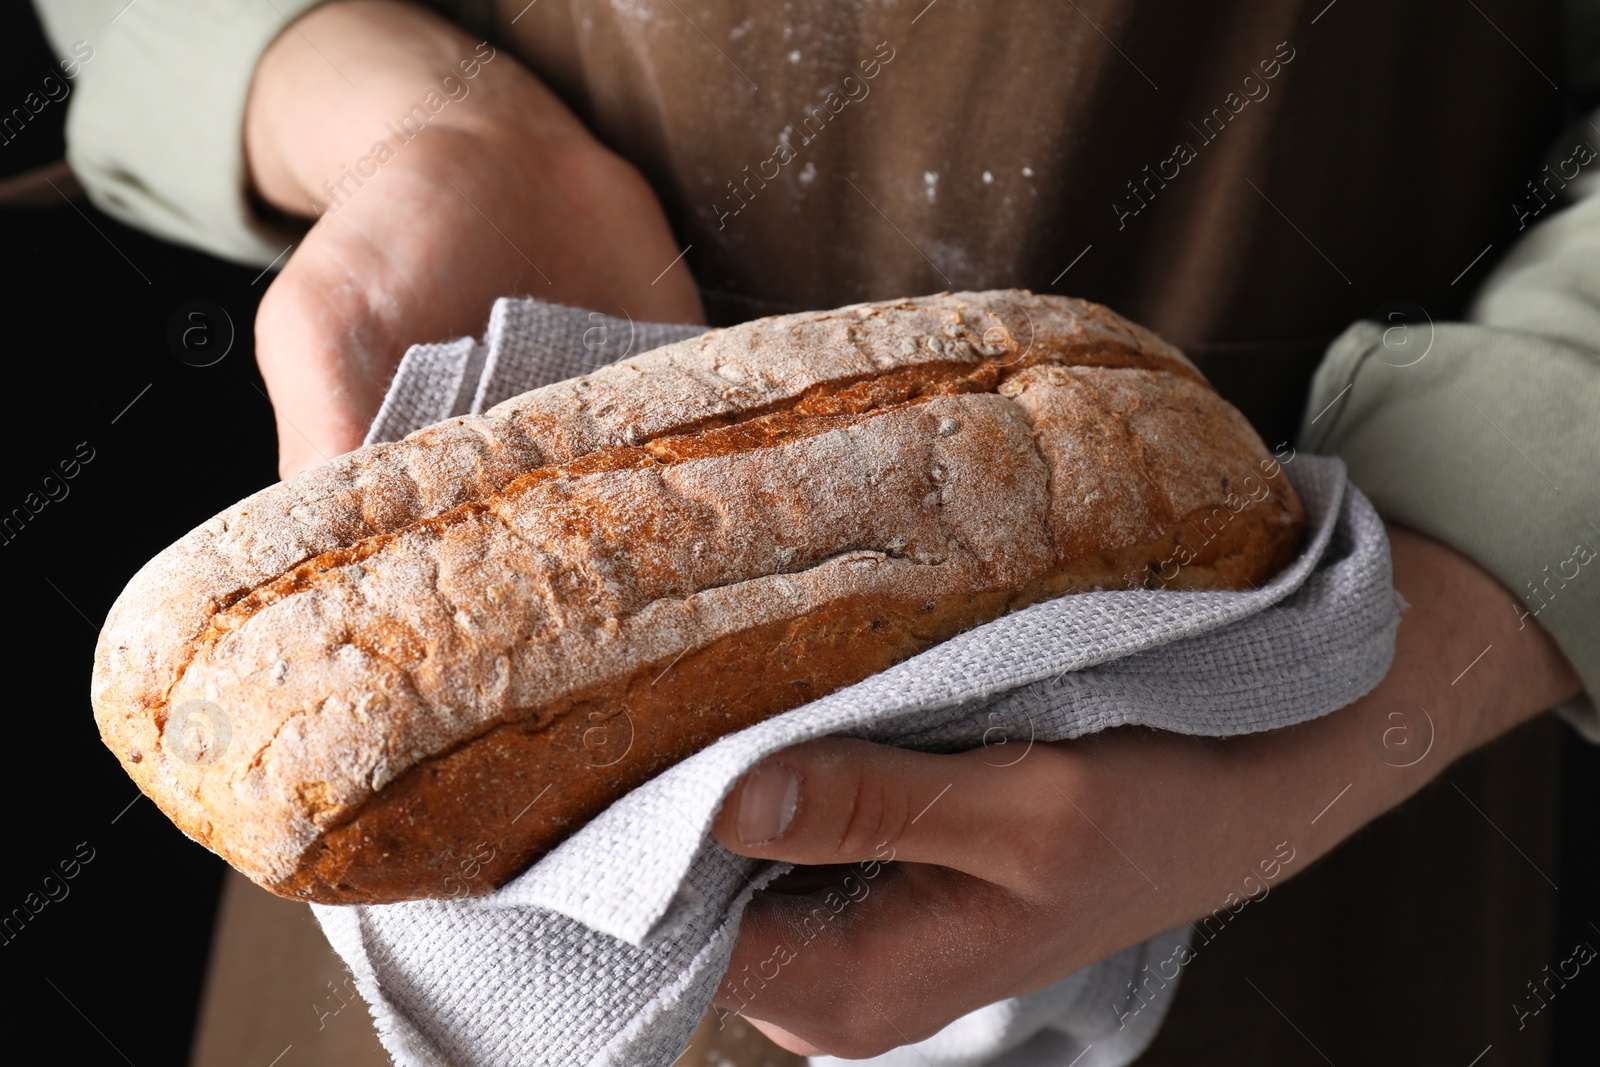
column 884, row 955
column 836, row 800
column 1008, row 878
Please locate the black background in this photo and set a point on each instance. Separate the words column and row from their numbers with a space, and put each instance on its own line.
column 112, row 973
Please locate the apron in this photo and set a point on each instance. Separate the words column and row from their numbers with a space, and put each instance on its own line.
column 1170, row 160
column 1244, row 177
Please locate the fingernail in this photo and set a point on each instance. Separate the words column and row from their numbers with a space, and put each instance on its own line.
column 767, row 803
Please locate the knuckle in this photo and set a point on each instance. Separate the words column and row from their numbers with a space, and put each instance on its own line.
column 855, row 1031
column 877, row 813
column 1048, row 845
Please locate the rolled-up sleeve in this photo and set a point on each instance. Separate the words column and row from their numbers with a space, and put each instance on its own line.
column 1486, row 434
column 156, row 113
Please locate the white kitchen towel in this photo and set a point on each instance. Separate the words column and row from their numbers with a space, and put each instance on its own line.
column 608, row 951
column 528, row 344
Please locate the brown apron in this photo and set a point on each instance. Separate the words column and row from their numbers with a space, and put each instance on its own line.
column 1245, row 177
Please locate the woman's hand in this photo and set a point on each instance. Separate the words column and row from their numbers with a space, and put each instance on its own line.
column 1013, row 873
column 500, row 191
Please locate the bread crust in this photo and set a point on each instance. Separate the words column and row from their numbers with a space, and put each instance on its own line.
column 418, row 653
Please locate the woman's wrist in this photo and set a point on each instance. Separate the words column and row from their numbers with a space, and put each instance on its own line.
column 350, row 88
column 1463, row 674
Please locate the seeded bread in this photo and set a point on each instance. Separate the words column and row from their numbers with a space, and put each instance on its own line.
column 444, row 655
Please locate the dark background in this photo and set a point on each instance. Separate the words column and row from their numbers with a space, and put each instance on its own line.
column 112, row 972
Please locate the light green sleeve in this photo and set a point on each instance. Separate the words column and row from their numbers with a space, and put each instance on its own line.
column 1486, row 434
column 155, row 115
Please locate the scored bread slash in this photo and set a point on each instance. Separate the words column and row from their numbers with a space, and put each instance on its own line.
column 448, row 653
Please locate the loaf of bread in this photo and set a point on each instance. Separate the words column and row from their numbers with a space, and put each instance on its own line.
column 411, row 671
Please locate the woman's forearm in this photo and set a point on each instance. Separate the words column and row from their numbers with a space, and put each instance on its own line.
column 348, row 88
